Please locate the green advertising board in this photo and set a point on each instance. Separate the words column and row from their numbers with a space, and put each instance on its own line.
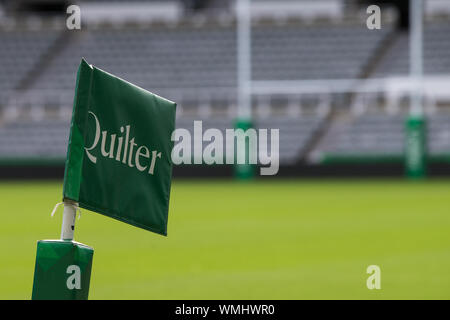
column 119, row 154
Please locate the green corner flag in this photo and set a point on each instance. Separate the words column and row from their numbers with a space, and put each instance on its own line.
column 118, row 159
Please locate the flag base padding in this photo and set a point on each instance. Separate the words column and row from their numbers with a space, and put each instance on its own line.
column 415, row 155
column 63, row 270
column 244, row 171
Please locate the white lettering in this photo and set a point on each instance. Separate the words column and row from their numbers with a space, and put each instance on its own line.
column 96, row 138
column 145, row 155
column 74, row 280
column 131, row 150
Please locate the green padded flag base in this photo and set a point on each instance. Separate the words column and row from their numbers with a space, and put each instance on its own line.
column 63, row 270
column 415, row 161
column 244, row 171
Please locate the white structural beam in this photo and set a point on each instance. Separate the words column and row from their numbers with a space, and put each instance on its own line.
column 244, row 59
column 416, row 55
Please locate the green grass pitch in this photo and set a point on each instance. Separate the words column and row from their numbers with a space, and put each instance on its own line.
column 281, row 239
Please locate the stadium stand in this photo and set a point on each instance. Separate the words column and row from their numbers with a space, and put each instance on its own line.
column 436, row 44
column 295, row 135
column 195, row 64
column 439, row 134
column 191, row 57
column 148, row 58
column 314, row 52
column 379, row 137
column 172, row 59
column 44, row 140
column 367, row 136
column 33, row 141
column 20, row 50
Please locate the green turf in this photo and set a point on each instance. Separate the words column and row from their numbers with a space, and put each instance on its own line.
column 263, row 240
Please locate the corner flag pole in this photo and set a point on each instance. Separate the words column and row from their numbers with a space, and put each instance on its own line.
column 415, row 147
column 63, row 267
column 68, row 222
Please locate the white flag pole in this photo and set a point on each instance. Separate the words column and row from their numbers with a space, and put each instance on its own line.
column 68, row 222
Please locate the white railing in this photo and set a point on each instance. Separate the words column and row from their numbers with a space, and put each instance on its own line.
column 38, row 104
column 392, row 90
column 119, row 12
column 204, row 102
column 307, row 9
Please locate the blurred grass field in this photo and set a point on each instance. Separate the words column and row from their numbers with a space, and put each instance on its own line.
column 287, row 239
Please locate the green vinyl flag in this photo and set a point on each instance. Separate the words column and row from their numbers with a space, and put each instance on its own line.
column 118, row 159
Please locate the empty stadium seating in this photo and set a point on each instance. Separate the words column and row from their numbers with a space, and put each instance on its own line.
column 187, row 57
column 42, row 140
column 173, row 60
column 439, row 134
column 436, row 44
column 20, row 50
column 375, row 135
column 169, row 59
column 380, row 136
column 294, row 134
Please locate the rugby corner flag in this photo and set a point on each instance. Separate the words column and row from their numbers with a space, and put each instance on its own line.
column 118, row 158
